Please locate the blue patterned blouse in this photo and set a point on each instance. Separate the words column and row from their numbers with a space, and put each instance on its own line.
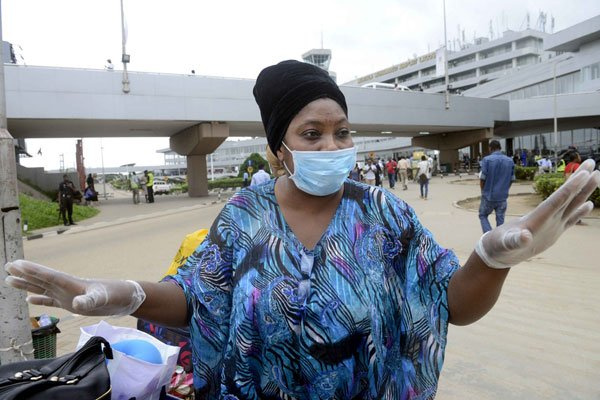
column 363, row 315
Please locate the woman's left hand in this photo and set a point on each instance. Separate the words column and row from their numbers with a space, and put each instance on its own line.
column 523, row 238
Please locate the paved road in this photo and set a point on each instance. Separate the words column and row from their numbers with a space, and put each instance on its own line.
column 539, row 342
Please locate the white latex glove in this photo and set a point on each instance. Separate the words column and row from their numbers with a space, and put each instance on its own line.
column 81, row 296
column 523, row 238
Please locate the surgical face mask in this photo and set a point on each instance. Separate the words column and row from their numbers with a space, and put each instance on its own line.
column 321, row 173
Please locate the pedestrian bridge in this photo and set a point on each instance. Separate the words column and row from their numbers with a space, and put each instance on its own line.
column 199, row 112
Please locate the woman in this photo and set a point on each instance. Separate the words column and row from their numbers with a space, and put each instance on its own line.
column 356, row 173
column 574, row 163
column 423, row 175
column 314, row 285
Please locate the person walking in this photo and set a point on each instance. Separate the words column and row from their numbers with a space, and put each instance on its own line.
column 423, row 176
column 260, row 176
column 66, row 192
column 391, row 167
column 246, row 179
column 369, row 172
column 149, row 186
column 90, row 182
column 356, row 173
column 497, row 175
column 403, row 166
column 134, row 183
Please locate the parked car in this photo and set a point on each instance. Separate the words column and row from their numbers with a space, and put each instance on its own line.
column 161, row 187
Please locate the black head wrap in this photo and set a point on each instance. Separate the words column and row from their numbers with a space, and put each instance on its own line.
column 282, row 90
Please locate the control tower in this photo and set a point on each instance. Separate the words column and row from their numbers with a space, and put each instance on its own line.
column 321, row 58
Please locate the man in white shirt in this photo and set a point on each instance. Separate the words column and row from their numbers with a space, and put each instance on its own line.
column 369, row 172
column 403, row 166
column 260, row 176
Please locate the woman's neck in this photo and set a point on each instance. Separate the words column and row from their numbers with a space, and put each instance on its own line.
column 287, row 194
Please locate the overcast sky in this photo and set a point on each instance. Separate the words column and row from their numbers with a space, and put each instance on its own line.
column 238, row 38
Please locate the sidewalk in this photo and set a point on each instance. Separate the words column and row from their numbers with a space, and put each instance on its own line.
column 118, row 209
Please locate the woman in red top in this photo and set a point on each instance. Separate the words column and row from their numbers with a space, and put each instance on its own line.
column 572, row 165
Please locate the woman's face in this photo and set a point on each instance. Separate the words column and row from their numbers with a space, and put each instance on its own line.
column 320, row 125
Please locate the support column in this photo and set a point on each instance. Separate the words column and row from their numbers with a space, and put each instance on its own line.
column 449, row 157
column 485, row 148
column 196, row 142
column 509, row 147
column 474, row 150
column 197, row 175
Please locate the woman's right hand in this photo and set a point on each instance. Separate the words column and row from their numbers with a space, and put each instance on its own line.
column 81, row 296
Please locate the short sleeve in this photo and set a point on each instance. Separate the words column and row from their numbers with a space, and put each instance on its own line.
column 484, row 169
column 206, row 280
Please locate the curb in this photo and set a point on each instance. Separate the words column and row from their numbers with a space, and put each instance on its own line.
column 120, row 221
column 457, row 204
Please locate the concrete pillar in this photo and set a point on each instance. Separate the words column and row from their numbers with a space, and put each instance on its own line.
column 197, row 175
column 449, row 157
column 196, row 142
column 509, row 147
column 485, row 148
column 474, row 150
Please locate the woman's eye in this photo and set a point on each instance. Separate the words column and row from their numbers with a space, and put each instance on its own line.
column 343, row 133
column 311, row 134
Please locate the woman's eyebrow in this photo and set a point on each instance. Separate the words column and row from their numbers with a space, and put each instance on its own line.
column 319, row 122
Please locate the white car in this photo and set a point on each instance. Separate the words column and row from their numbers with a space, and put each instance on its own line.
column 161, row 187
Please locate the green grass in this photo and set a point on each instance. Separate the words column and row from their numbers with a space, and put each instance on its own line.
column 42, row 214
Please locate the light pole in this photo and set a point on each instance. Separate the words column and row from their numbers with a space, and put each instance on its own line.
column 103, row 175
column 124, row 56
column 446, row 61
column 555, row 111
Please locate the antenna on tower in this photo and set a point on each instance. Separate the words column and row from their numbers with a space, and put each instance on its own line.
column 491, row 30
column 528, row 19
column 321, row 38
column 551, row 23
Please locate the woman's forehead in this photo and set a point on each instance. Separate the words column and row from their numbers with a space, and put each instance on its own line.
column 323, row 110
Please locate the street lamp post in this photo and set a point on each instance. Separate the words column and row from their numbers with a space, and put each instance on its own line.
column 447, row 84
column 103, row 175
column 555, row 111
column 124, row 56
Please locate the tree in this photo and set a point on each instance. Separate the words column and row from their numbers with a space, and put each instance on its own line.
column 253, row 161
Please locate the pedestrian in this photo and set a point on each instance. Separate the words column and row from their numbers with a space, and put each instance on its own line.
column 143, row 180
column 246, row 178
column 369, row 171
column 497, row 175
column 260, row 176
column 149, row 186
column 573, row 164
column 313, row 285
column 391, row 166
column 423, row 176
column 356, row 173
column 134, row 183
column 379, row 173
column 403, row 167
column 66, row 193
column 89, row 181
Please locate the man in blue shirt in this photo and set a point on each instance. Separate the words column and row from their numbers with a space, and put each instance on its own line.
column 497, row 174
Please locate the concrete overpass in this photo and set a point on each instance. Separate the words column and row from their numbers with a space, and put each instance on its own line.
column 198, row 113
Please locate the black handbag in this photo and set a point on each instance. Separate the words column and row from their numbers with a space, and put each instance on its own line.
column 81, row 375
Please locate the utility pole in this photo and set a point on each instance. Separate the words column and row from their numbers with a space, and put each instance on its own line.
column 15, row 329
column 124, row 56
column 446, row 78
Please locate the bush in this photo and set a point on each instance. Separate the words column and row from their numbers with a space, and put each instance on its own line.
column 525, row 173
column 225, row 183
column 256, row 160
column 546, row 184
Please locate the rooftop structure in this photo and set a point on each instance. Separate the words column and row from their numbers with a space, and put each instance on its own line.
column 321, row 58
column 476, row 63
